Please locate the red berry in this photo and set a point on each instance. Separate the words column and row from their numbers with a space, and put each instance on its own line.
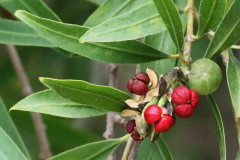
column 138, row 87
column 130, row 126
column 194, row 98
column 181, row 95
column 184, row 110
column 142, row 77
column 136, row 136
column 129, row 84
column 164, row 124
column 152, row 114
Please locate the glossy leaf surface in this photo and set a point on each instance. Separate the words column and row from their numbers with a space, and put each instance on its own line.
column 66, row 36
column 102, row 97
column 92, row 151
column 227, row 33
column 48, row 102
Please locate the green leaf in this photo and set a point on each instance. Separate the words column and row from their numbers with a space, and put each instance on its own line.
column 8, row 126
column 111, row 9
column 157, row 150
column 233, row 81
column 227, row 33
column 8, row 149
column 163, row 42
column 102, row 97
column 92, row 151
column 144, row 20
column 66, row 36
column 170, row 16
column 97, row 2
column 48, row 102
column 37, row 7
column 18, row 33
column 220, row 127
column 211, row 13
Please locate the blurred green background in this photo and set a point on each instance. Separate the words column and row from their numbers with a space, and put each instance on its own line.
column 193, row 138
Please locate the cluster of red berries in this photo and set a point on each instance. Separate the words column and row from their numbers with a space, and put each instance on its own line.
column 139, row 84
column 131, row 129
column 160, row 116
column 185, row 99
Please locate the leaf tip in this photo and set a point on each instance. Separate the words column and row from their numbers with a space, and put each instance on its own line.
column 18, row 13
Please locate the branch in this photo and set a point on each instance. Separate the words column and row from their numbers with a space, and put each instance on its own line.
column 45, row 151
column 186, row 59
column 128, row 149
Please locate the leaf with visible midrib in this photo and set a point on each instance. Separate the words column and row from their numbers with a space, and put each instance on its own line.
column 66, row 36
column 8, row 149
column 18, row 33
column 142, row 21
column 102, row 97
column 227, row 33
column 220, row 127
column 233, row 81
column 111, row 9
column 37, row 7
column 9, row 127
column 92, row 151
column 48, row 102
column 170, row 16
column 211, row 13
column 153, row 151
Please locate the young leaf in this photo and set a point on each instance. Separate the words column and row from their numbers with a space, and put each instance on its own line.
column 233, row 80
column 170, row 16
column 163, row 42
column 210, row 15
column 220, row 127
column 156, row 150
column 48, row 102
column 102, row 97
column 37, row 7
column 142, row 21
column 66, row 36
column 111, row 9
column 227, row 33
column 92, row 151
column 8, row 126
column 8, row 149
column 18, row 33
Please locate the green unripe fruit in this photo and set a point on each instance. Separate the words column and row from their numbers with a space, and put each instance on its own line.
column 205, row 76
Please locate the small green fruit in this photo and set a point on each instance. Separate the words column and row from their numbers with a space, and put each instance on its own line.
column 205, row 76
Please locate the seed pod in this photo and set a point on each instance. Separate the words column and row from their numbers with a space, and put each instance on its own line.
column 194, row 98
column 181, row 95
column 152, row 114
column 130, row 126
column 137, row 87
column 142, row 77
column 184, row 110
column 164, row 124
column 205, row 76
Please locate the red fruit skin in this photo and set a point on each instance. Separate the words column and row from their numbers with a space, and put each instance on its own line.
column 164, row 124
column 139, row 88
column 152, row 114
column 129, row 84
column 130, row 126
column 136, row 136
column 194, row 98
column 181, row 95
column 184, row 110
column 142, row 77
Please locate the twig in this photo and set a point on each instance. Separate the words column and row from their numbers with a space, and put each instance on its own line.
column 128, row 149
column 186, row 59
column 45, row 151
column 112, row 117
